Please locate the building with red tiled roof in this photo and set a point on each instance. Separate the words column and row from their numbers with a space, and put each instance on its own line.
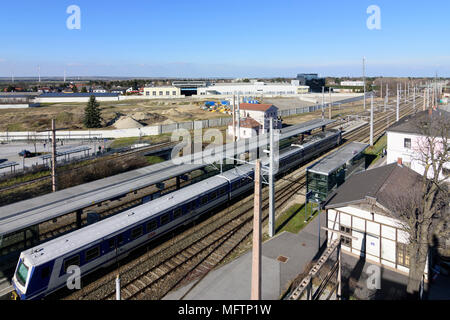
column 261, row 113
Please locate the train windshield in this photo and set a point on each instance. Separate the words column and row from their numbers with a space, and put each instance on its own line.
column 22, row 273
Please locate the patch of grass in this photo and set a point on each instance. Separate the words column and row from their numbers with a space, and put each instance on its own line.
column 154, row 159
column 25, row 178
column 374, row 153
column 15, row 127
column 293, row 219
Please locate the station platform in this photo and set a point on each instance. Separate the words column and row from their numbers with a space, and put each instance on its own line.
column 233, row 280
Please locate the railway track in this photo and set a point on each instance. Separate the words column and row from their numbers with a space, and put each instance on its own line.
column 193, row 254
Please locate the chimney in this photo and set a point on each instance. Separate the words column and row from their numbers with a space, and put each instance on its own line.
column 399, row 161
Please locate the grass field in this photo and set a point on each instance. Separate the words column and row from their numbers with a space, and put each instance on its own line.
column 293, row 219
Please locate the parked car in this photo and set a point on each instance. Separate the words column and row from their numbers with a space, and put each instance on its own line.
column 25, row 153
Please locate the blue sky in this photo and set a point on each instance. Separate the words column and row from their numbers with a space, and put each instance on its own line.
column 233, row 38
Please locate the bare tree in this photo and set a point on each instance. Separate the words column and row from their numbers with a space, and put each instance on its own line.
column 423, row 209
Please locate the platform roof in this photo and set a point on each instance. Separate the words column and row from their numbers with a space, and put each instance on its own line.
column 338, row 158
column 23, row 214
column 66, row 152
column 8, row 165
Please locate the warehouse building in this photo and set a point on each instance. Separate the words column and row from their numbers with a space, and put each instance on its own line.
column 254, row 89
column 162, row 92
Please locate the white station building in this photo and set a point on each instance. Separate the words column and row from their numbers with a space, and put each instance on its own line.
column 405, row 142
column 255, row 118
column 362, row 207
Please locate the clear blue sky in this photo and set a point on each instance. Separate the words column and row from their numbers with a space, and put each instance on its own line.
column 232, row 38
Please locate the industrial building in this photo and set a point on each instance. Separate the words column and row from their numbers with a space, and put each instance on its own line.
column 303, row 77
column 253, row 89
column 162, row 92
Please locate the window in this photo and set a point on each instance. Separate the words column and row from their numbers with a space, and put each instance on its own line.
column 120, row 239
column 402, row 255
column 111, row 244
column 147, row 93
column 177, row 213
column 174, row 93
column 222, row 190
column 152, row 225
column 161, row 93
column 167, row 93
column 165, row 218
column 136, row 232
column 74, row 261
column 203, row 200
column 154, row 93
column 22, row 273
column 45, row 273
column 93, row 253
column 213, row 195
column 407, row 143
column 346, row 241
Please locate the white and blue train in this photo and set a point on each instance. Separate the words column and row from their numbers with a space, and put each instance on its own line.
column 44, row 269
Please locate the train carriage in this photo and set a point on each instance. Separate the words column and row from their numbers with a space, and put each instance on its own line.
column 44, row 269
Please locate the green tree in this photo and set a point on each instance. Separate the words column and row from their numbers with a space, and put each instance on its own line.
column 84, row 90
column 92, row 114
column 74, row 89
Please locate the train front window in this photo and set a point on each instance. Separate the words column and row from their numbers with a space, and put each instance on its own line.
column 22, row 273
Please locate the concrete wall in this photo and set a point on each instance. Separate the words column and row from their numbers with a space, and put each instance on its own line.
column 19, row 106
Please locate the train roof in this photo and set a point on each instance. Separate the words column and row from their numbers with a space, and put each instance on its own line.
column 112, row 225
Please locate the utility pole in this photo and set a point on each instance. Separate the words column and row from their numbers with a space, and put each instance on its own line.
column 118, row 288
column 323, row 102
column 234, row 117
column 371, row 120
column 424, row 99
column 271, row 183
column 331, row 103
column 386, row 99
column 381, row 88
column 398, row 104
column 414, row 98
column 39, row 73
column 239, row 117
column 54, row 185
column 364, row 80
column 256, row 253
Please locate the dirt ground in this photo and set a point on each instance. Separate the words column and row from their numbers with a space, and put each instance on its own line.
column 70, row 115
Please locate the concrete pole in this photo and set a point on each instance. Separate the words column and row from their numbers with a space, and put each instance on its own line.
column 386, row 99
column 256, row 253
column 381, row 88
column 323, row 102
column 118, row 288
column 271, row 184
column 234, row 118
column 331, row 103
column 414, row 98
column 339, row 275
column 398, row 104
column 54, row 185
column 424, row 99
column 371, row 120
column 364, row 81
column 239, row 117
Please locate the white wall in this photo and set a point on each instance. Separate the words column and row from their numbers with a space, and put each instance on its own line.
column 410, row 157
